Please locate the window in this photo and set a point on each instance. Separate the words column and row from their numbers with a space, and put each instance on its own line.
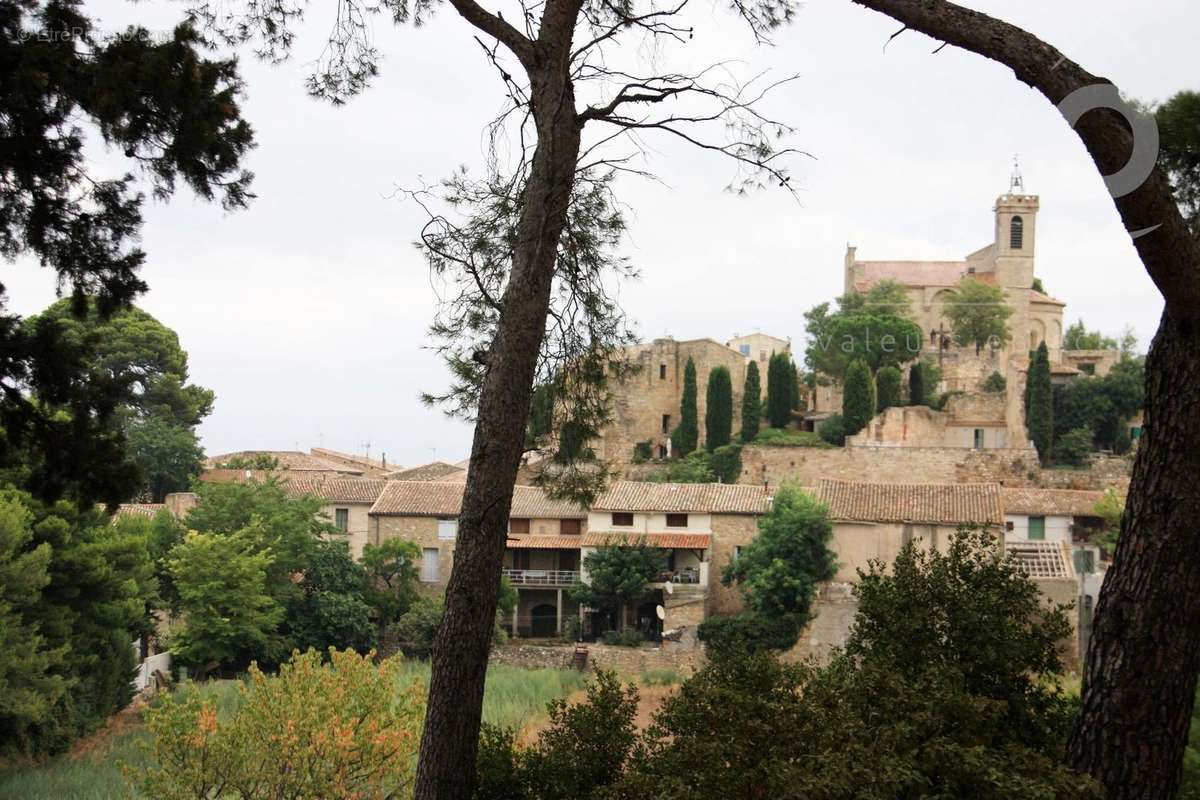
column 970, row 270
column 1087, row 369
column 662, row 372
column 518, row 525
column 662, row 451
column 341, row 519
column 737, row 552
column 979, row 438
column 1016, row 233
column 429, row 565
column 1008, row 526
column 666, row 423
column 744, row 349
column 677, row 520
column 569, row 527
column 1037, row 529
column 447, row 529
column 622, row 519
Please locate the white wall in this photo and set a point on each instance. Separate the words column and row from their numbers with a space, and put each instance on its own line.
column 1058, row 529
column 601, row 522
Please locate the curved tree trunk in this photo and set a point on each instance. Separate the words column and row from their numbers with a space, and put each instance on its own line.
column 446, row 767
column 1142, row 661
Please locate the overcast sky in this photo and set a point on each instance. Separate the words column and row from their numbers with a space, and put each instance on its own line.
column 307, row 312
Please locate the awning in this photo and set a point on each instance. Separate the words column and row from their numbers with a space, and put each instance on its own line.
column 673, row 541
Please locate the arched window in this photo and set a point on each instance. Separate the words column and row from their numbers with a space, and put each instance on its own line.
column 1016, row 233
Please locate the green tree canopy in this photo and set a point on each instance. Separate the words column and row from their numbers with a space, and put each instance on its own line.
column 887, row 388
column 858, row 398
column 1179, row 151
column 718, row 409
column 1102, row 404
column 143, row 364
column 1039, row 403
column 978, row 314
column 391, row 577
column 1078, row 337
column 858, row 331
column 751, row 403
column 617, row 576
column 686, row 435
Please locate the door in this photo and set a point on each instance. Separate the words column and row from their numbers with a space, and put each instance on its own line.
column 1037, row 529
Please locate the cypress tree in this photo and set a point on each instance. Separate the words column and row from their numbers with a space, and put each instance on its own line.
column 686, row 435
column 718, row 409
column 751, row 403
column 1039, row 402
column 779, row 391
column 887, row 388
column 916, row 385
column 795, row 387
column 858, row 397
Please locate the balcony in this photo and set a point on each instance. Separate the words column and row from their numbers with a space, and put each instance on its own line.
column 541, row 577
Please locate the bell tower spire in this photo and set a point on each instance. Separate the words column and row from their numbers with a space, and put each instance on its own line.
column 1016, row 184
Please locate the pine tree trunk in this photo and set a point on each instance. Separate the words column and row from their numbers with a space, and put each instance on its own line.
column 446, row 767
column 1142, row 663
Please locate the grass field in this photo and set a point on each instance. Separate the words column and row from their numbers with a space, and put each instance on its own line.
column 513, row 698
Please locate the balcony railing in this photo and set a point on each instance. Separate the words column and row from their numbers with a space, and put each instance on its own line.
column 682, row 576
column 542, row 577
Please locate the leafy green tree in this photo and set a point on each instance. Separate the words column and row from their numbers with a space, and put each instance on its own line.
column 153, row 99
column 886, row 298
column 887, row 388
column 1179, row 151
column 995, row 383
column 1110, row 509
column 978, row 314
column 858, row 398
column 30, row 668
column 916, row 384
column 1074, row 447
column 751, row 403
column 779, row 391
column 1039, row 403
column 617, row 577
column 726, row 463
column 230, row 616
column 334, row 611
column 391, row 577
column 1038, row 286
column 969, row 614
column 779, row 571
column 718, row 409
column 1078, row 337
column 856, row 331
column 142, row 360
column 686, row 435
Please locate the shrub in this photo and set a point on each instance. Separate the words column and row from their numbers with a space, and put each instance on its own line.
column 338, row 729
column 718, row 409
column 417, row 627
column 833, row 430
column 726, row 463
column 630, row 637
column 1122, row 442
column 858, row 397
column 584, row 748
column 749, row 631
column 642, row 452
column 995, row 383
column 1074, row 447
column 774, row 437
column 887, row 388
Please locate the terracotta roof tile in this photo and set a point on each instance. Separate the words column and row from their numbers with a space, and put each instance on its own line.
column 334, row 489
column 444, row 499
column 139, row 509
column 544, row 542
column 922, row 503
column 291, row 460
column 433, row 471
column 700, row 498
column 1050, row 502
column 682, row 541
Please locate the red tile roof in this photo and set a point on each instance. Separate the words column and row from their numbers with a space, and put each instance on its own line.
column 139, row 509
column 682, row 541
column 544, row 542
column 922, row 503
column 700, row 498
column 291, row 460
column 442, row 499
column 1050, row 502
column 335, row 489
column 434, row 471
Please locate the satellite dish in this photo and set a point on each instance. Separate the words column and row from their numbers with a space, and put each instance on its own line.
column 670, row 587
column 661, row 612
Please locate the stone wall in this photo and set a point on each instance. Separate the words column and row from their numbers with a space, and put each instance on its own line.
column 1103, row 472
column 628, row 661
column 730, row 531
column 833, row 617
column 806, row 466
column 423, row 531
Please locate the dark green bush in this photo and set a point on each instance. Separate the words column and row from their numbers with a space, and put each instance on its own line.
column 833, row 430
column 750, row 631
column 1074, row 447
column 726, row 463
column 995, row 383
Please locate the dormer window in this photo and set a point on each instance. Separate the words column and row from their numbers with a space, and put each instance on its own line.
column 1016, row 233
